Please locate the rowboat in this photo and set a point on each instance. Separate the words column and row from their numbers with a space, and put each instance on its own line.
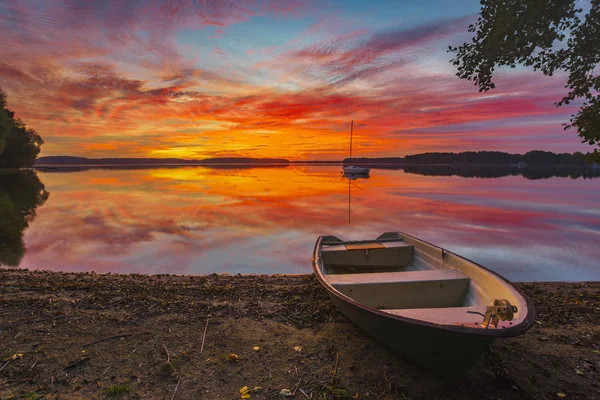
column 432, row 306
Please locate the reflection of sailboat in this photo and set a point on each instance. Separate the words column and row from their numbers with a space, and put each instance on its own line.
column 355, row 176
column 354, row 169
column 352, row 177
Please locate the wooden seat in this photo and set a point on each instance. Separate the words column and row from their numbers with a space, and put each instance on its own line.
column 368, row 254
column 364, row 246
column 405, row 290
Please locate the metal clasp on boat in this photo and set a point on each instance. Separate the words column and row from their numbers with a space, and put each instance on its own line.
column 501, row 310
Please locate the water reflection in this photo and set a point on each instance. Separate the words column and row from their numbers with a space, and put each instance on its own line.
column 532, row 173
column 21, row 193
column 266, row 220
column 353, row 177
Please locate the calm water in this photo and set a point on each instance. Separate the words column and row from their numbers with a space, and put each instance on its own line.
column 194, row 220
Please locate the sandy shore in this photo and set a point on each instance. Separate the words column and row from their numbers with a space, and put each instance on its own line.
column 88, row 336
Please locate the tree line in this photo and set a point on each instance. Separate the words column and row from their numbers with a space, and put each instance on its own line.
column 532, row 158
column 19, row 145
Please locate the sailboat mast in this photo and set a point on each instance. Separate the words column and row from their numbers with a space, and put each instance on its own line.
column 351, row 129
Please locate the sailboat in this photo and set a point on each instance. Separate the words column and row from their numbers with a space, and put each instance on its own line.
column 354, row 169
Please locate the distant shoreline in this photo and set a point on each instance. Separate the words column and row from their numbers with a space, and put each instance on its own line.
column 224, row 165
column 83, row 161
column 534, row 158
column 480, row 159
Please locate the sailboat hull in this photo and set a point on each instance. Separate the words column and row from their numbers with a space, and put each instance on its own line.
column 353, row 169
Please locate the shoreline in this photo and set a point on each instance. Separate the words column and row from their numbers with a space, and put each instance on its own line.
column 98, row 336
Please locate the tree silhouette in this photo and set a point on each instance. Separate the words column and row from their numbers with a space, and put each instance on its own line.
column 21, row 193
column 19, row 145
column 547, row 35
column 5, row 124
column 593, row 157
column 534, row 157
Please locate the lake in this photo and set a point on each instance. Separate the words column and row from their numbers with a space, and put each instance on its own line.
column 196, row 220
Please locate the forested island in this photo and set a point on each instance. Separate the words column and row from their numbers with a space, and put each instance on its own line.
column 83, row 161
column 483, row 158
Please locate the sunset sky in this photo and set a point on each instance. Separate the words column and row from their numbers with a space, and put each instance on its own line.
column 264, row 78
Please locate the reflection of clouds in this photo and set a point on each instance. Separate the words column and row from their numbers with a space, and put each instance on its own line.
column 533, row 261
column 195, row 220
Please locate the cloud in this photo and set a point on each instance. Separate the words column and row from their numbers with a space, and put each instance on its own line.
column 84, row 72
column 403, row 38
column 344, row 59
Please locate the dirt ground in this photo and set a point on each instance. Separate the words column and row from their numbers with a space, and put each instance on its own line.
column 89, row 336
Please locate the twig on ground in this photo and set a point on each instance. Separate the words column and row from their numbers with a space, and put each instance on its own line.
column 76, row 363
column 34, row 363
column 8, row 362
column 168, row 355
column 297, row 386
column 107, row 339
column 105, row 371
column 304, row 393
column 204, row 336
column 337, row 358
column 175, row 391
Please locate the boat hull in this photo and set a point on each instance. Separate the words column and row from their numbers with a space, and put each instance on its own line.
column 356, row 170
column 448, row 348
column 446, row 354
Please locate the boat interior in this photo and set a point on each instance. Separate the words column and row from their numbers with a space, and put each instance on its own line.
column 404, row 276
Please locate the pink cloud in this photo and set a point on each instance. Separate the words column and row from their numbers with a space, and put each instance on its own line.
column 346, row 58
